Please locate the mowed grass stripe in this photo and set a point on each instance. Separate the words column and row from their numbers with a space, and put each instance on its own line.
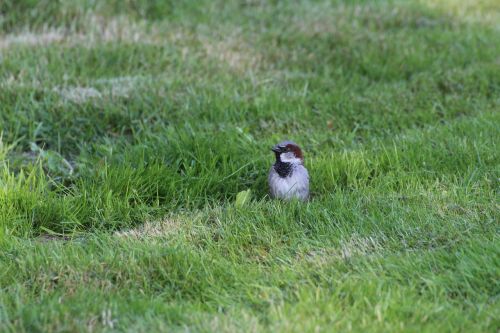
column 129, row 185
column 178, row 275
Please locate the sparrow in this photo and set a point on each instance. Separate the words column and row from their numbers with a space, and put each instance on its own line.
column 288, row 178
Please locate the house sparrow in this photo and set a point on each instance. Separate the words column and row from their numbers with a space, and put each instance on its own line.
column 288, row 178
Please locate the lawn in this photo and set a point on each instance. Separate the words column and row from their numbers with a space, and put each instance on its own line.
column 128, row 128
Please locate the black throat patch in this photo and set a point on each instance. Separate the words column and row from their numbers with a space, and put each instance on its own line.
column 283, row 169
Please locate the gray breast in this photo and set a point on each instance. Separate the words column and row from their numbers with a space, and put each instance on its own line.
column 295, row 185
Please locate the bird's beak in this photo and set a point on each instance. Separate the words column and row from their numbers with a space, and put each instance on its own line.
column 276, row 149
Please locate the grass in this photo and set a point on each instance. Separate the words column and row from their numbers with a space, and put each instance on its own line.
column 129, row 128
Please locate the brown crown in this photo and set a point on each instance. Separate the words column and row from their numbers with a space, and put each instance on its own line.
column 296, row 150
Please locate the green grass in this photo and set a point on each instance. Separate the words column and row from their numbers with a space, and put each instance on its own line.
column 129, row 127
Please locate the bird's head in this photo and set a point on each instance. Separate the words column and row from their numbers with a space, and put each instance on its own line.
column 288, row 152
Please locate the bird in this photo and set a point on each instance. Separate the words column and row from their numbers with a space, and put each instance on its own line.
column 288, row 178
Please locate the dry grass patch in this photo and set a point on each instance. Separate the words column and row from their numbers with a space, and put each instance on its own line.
column 123, row 86
column 352, row 247
column 152, row 229
column 97, row 30
column 321, row 19
column 228, row 323
column 474, row 11
column 114, row 87
column 233, row 51
column 78, row 94
column 30, row 38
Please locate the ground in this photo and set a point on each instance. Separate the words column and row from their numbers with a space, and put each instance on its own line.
column 129, row 128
